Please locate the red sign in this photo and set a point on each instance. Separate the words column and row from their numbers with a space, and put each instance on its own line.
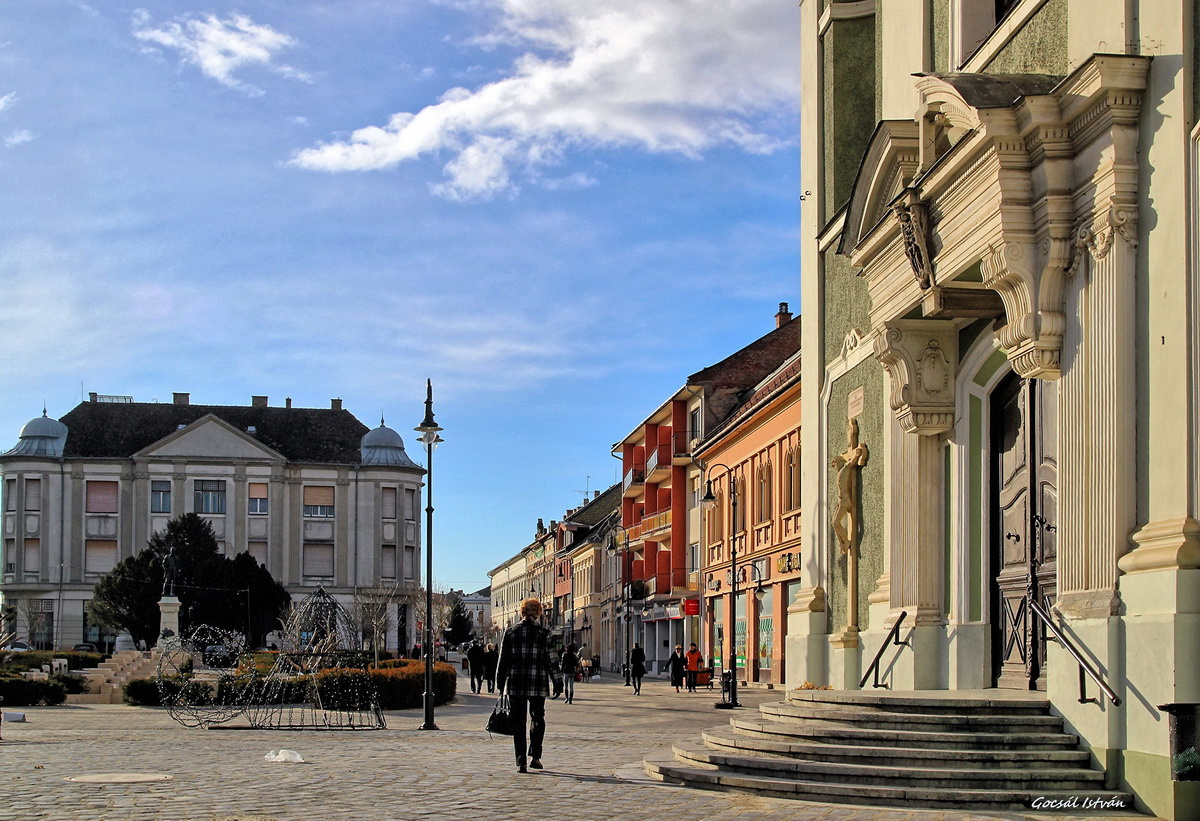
column 691, row 607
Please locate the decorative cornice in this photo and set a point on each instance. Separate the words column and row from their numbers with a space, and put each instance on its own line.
column 844, row 11
column 1168, row 544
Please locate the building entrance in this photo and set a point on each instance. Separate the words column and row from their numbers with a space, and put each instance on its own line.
column 1024, row 469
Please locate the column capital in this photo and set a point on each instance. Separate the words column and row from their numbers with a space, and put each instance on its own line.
column 921, row 356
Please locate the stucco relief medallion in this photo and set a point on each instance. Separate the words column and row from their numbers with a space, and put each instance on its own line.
column 933, row 369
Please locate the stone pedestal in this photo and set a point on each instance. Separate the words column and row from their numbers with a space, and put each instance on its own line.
column 168, row 606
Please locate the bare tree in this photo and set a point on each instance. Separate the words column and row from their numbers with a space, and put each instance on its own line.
column 443, row 606
column 38, row 623
column 372, row 613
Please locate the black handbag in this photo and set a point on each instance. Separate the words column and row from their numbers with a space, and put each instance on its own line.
column 501, row 720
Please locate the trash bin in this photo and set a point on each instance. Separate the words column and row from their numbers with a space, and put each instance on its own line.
column 1185, row 759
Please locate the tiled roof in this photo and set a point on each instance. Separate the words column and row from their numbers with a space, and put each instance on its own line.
column 119, row 430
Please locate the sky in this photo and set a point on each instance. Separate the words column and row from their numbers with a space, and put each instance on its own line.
column 555, row 210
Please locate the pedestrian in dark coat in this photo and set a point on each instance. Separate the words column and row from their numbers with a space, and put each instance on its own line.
column 524, row 671
column 475, row 663
column 490, row 657
column 637, row 661
column 568, row 666
column 676, row 664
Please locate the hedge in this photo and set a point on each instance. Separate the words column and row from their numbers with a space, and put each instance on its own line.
column 22, row 692
column 34, row 659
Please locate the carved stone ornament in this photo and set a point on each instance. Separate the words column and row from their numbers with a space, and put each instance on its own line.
column 920, row 355
column 1119, row 220
column 914, row 233
column 1029, row 278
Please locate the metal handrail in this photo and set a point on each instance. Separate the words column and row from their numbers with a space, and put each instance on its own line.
column 1085, row 666
column 892, row 636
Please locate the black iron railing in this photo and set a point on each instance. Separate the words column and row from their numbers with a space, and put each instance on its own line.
column 1086, row 670
column 893, row 637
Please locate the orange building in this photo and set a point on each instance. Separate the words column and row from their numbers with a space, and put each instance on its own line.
column 752, row 473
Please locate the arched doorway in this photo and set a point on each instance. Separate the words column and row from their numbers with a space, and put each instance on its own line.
column 1024, row 470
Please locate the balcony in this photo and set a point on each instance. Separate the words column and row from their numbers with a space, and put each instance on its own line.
column 634, row 482
column 654, row 523
column 658, row 463
column 681, row 447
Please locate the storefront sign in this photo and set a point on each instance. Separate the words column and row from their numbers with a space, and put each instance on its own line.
column 691, row 607
column 787, row 562
column 674, row 611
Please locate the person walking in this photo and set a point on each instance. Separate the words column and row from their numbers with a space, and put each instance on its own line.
column 568, row 665
column 676, row 664
column 637, row 663
column 490, row 657
column 524, row 671
column 475, row 664
column 695, row 662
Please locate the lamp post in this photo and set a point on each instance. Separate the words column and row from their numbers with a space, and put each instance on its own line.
column 429, row 436
column 622, row 632
column 709, row 501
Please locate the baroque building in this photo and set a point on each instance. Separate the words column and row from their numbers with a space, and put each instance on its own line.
column 1001, row 336
column 312, row 494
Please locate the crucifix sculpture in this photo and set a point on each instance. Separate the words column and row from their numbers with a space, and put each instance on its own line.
column 845, row 518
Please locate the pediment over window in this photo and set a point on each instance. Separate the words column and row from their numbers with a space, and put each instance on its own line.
column 210, row 437
column 888, row 166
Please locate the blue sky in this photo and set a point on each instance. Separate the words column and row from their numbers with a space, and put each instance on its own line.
column 556, row 210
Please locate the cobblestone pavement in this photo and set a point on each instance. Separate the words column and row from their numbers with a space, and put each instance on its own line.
column 592, row 757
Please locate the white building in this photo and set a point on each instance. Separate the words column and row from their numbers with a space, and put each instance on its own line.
column 310, row 493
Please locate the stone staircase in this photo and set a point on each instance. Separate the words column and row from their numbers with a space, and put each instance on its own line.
column 106, row 680
column 984, row 750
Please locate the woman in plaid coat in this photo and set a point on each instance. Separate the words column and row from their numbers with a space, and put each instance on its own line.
column 524, row 672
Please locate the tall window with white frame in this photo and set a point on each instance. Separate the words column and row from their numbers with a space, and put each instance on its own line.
column 160, row 497
column 209, row 496
column 318, row 501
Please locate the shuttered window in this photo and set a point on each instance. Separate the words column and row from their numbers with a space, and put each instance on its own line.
column 318, row 560
column 33, row 494
column 10, row 494
column 258, row 552
column 33, row 555
column 388, row 565
column 318, row 501
column 258, row 497
column 389, row 503
column 100, row 556
column 101, row 497
column 410, row 504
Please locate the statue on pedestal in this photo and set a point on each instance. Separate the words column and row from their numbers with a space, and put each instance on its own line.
column 845, row 518
column 170, row 573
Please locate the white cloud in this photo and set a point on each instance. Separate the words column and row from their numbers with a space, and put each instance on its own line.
column 682, row 77
column 221, row 47
column 7, row 101
column 18, row 138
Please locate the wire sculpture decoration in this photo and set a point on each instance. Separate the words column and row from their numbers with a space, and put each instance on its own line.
column 318, row 681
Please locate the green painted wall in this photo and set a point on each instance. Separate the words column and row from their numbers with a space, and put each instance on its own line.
column 1040, row 47
column 846, row 304
column 848, row 102
column 1149, row 776
column 939, row 34
column 967, row 336
column 868, row 376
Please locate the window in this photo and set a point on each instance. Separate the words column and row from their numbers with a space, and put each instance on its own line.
column 160, row 497
column 716, row 529
column 737, row 511
column 694, row 424
column 318, row 501
column 33, row 556
column 99, row 556
column 318, row 560
column 258, row 552
column 791, row 479
column 10, row 494
column 33, row 494
column 389, row 503
column 410, row 504
column 258, row 497
column 387, row 568
column 101, row 497
column 764, row 493
column 210, row 496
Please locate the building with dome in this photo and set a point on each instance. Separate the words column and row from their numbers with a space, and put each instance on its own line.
column 311, row 493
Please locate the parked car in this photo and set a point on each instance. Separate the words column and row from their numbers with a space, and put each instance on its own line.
column 220, row 655
column 84, row 647
column 18, row 647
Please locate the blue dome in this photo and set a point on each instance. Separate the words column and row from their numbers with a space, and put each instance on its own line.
column 383, row 446
column 42, row 436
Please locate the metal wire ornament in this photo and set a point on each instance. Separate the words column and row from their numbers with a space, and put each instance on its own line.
column 319, row 680
column 205, row 677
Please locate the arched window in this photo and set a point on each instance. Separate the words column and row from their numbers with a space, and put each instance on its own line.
column 764, row 493
column 791, row 479
column 716, row 514
column 738, row 511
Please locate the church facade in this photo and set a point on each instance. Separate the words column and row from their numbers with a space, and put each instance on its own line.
column 1001, row 320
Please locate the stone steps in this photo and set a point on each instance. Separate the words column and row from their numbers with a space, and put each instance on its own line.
column 988, row 750
column 105, row 681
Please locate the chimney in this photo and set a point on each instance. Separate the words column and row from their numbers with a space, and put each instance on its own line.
column 287, row 403
column 541, row 528
column 784, row 316
column 595, row 495
column 182, row 398
column 335, row 404
column 258, row 401
column 92, row 396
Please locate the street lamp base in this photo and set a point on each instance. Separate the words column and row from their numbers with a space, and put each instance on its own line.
column 429, row 726
column 726, row 705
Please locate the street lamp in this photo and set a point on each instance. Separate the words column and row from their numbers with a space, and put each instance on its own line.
column 623, row 634
column 429, row 437
column 709, row 500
